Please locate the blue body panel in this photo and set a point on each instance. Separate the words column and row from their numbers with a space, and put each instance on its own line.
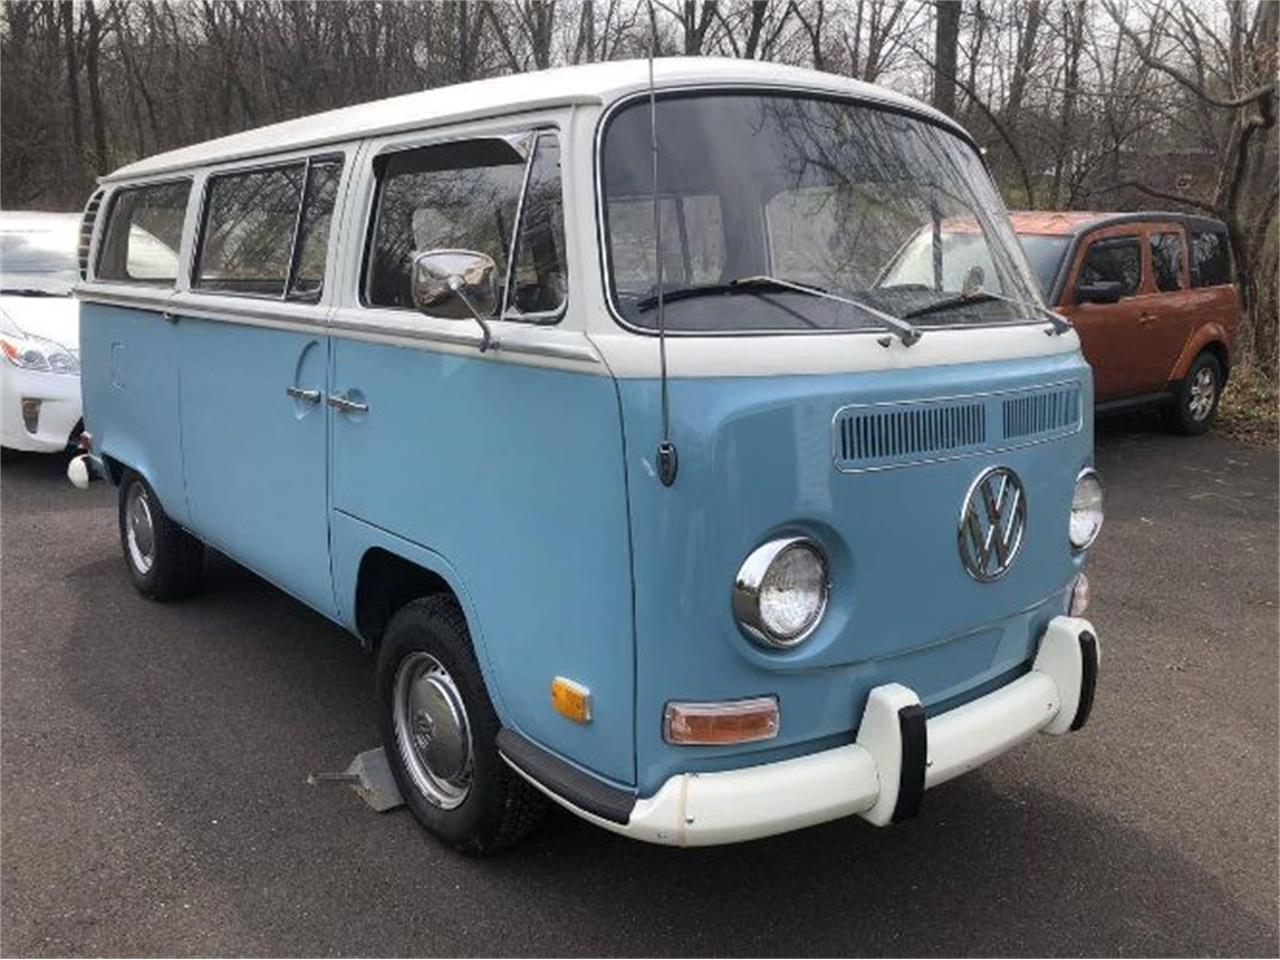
column 756, row 462
column 129, row 381
column 531, row 492
column 256, row 483
column 514, row 475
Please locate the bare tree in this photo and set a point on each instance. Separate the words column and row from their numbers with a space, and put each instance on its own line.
column 946, row 44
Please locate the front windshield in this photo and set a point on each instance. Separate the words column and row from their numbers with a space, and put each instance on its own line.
column 38, row 254
column 1045, row 254
column 866, row 203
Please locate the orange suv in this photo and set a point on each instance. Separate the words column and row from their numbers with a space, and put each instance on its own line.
column 1152, row 298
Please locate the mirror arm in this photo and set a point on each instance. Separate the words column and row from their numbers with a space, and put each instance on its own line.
column 487, row 341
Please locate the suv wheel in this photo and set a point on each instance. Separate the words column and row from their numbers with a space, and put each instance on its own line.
column 1196, row 402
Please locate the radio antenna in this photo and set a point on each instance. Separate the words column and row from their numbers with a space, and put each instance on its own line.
column 668, row 461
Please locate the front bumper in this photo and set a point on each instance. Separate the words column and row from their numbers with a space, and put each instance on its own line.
column 59, row 410
column 898, row 754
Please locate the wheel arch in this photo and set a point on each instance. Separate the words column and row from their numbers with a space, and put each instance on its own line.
column 376, row 573
column 385, row 582
column 1211, row 338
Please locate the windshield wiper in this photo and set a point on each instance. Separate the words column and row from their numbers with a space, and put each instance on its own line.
column 747, row 285
column 1060, row 323
column 905, row 332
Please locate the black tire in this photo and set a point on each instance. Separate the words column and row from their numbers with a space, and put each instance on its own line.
column 498, row 807
column 176, row 558
column 1188, row 415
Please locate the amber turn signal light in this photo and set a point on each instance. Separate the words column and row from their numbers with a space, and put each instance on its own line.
column 571, row 699
column 723, row 722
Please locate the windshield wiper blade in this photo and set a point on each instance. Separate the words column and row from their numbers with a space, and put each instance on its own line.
column 704, row 290
column 1060, row 323
column 904, row 331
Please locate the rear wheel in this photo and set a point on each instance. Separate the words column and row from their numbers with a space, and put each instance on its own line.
column 1196, row 402
column 439, row 730
column 165, row 562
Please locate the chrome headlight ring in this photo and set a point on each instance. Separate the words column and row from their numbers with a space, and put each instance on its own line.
column 780, row 593
column 1085, row 521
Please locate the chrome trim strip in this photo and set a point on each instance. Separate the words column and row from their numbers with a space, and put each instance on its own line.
column 308, row 318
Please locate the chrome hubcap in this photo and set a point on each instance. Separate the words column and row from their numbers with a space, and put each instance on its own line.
column 1203, row 390
column 139, row 530
column 432, row 731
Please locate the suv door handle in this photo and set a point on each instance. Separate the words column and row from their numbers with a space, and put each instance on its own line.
column 1145, row 318
column 341, row 403
column 300, row 393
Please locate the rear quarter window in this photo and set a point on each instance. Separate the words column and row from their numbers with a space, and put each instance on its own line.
column 144, row 234
column 1210, row 258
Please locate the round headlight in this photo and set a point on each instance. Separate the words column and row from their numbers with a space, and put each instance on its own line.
column 780, row 592
column 1086, row 509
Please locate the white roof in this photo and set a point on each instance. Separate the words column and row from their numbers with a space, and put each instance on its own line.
column 597, row 83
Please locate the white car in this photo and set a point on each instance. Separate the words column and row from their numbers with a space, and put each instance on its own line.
column 39, row 331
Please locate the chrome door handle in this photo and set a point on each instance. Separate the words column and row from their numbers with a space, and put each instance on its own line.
column 340, row 403
column 300, row 393
column 1145, row 318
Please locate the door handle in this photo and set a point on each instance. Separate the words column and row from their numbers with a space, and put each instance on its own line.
column 300, row 393
column 1146, row 318
column 342, row 404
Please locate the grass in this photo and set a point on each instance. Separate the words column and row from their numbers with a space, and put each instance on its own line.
column 1250, row 407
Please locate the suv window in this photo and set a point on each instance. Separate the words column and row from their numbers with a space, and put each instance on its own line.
column 1166, row 260
column 1114, row 260
column 1211, row 261
column 466, row 196
column 253, row 240
column 144, row 233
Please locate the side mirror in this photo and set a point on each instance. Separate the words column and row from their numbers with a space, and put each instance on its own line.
column 1103, row 291
column 457, row 285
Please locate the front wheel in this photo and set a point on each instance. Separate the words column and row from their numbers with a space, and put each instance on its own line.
column 1196, row 401
column 439, row 731
column 165, row 562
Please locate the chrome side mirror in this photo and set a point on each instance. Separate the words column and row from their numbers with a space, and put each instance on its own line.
column 457, row 285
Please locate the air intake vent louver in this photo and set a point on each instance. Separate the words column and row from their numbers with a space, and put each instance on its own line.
column 878, row 436
column 1041, row 412
column 923, row 431
column 86, row 232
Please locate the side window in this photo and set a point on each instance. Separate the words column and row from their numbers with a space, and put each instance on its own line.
column 1211, row 261
column 254, row 241
column 144, row 234
column 1166, row 260
column 460, row 196
column 312, row 247
column 1118, row 260
column 538, row 283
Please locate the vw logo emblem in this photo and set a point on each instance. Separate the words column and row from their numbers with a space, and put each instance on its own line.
column 992, row 523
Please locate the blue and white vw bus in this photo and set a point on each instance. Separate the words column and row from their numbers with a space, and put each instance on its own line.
column 606, row 408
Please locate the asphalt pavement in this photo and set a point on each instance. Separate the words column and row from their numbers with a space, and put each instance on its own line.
column 154, row 763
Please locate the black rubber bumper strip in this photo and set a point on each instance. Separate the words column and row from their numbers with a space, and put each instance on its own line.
column 914, row 731
column 565, row 780
column 1088, row 678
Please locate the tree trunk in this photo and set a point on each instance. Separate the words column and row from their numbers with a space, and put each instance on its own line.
column 68, row 13
column 96, row 111
column 946, row 45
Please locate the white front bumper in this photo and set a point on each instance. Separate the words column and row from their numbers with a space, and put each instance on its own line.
column 59, row 408
column 868, row 777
